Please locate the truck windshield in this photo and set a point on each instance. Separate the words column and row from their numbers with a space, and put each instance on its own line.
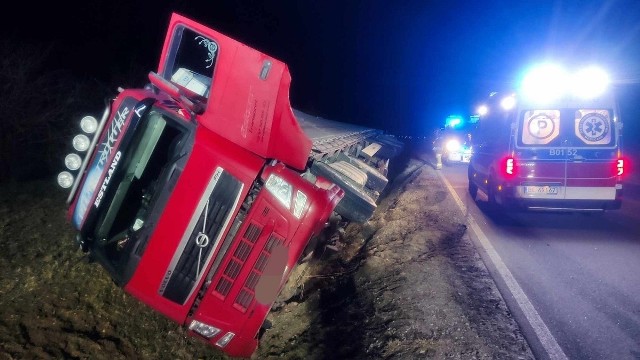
column 155, row 144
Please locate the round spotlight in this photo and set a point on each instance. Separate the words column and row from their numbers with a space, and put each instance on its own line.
column 81, row 142
column 482, row 110
column 508, row 103
column 89, row 124
column 72, row 161
column 453, row 145
column 65, row 179
column 545, row 83
column 590, row 82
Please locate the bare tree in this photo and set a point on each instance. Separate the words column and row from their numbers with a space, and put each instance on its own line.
column 38, row 105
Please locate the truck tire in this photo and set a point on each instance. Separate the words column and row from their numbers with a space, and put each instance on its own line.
column 356, row 205
column 358, row 177
column 376, row 181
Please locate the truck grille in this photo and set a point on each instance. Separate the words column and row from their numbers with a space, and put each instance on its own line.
column 188, row 269
column 248, row 291
column 236, row 262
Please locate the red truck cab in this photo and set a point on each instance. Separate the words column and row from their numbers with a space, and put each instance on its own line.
column 193, row 193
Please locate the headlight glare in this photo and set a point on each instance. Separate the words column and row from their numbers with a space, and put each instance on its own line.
column 72, row 161
column 545, row 83
column 81, row 142
column 89, row 124
column 508, row 102
column 280, row 189
column 453, row 145
column 65, row 179
column 590, row 82
column 203, row 329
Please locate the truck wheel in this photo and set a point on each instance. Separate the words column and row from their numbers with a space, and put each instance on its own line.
column 356, row 205
column 376, row 181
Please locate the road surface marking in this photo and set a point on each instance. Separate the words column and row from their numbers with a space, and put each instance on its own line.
column 547, row 340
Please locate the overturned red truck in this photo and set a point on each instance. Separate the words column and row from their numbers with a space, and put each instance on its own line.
column 201, row 191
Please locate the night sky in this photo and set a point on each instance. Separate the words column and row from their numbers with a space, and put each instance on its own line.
column 402, row 66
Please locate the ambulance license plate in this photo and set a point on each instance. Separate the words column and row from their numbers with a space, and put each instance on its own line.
column 541, row 189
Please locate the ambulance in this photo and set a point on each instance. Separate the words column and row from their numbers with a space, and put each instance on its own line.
column 555, row 143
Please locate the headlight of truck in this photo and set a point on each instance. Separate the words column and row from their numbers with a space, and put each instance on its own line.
column 280, row 189
column 203, row 329
column 298, row 205
column 225, row 339
column 65, row 179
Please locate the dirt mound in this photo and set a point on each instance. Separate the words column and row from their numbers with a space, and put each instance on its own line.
column 408, row 284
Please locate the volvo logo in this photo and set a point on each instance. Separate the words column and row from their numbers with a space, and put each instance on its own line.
column 202, row 240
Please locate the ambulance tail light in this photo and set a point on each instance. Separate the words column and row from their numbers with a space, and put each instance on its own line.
column 622, row 167
column 509, row 167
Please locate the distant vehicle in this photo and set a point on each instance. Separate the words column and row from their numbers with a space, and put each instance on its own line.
column 200, row 192
column 554, row 144
column 455, row 146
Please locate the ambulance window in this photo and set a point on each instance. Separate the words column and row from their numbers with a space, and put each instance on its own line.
column 493, row 131
column 566, row 127
column 593, row 127
column 539, row 127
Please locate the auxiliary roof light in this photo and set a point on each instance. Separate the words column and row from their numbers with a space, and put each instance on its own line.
column 65, row 179
column 72, row 161
column 81, row 142
column 453, row 121
column 482, row 110
column 549, row 82
column 545, row 83
column 508, row 102
column 89, row 124
column 589, row 82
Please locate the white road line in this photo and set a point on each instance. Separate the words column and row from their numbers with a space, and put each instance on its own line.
column 542, row 331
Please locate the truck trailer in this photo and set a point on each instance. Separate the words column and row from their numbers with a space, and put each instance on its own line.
column 201, row 191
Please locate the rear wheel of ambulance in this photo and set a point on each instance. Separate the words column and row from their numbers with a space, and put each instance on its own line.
column 473, row 188
column 491, row 192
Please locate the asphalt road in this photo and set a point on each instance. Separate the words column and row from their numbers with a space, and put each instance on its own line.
column 572, row 280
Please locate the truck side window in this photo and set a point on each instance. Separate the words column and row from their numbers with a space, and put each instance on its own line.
column 192, row 60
